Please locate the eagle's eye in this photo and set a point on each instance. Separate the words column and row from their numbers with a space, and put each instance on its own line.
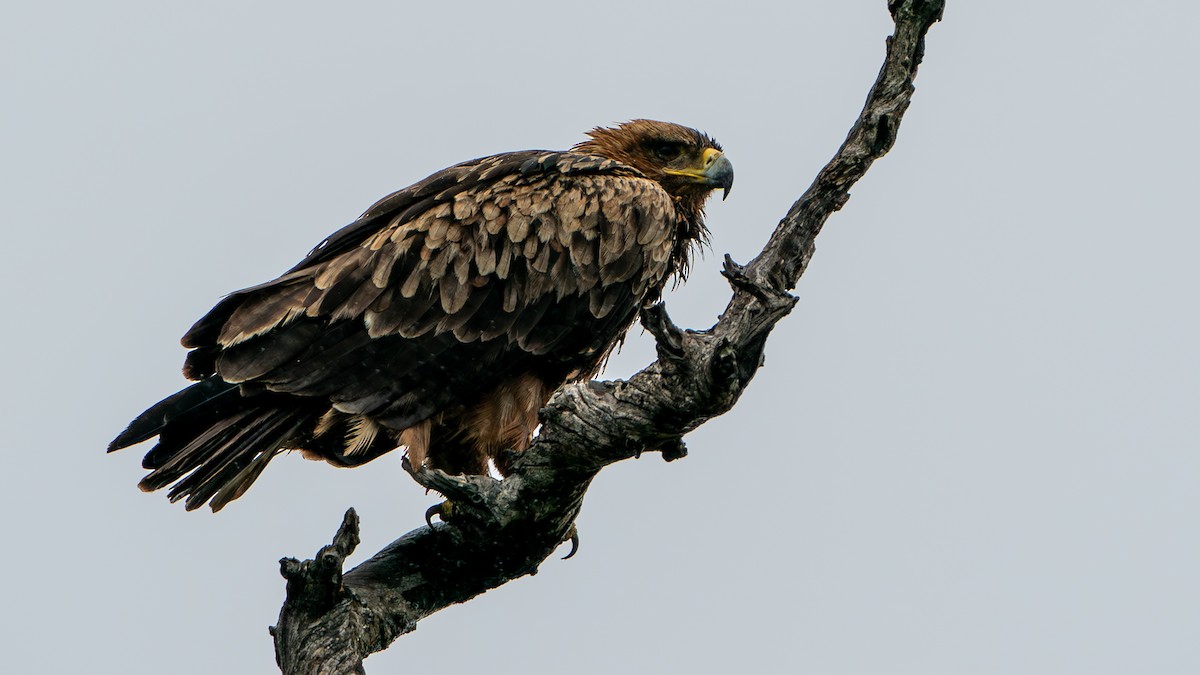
column 665, row 150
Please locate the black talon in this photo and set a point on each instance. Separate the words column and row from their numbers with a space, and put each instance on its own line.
column 442, row 511
column 574, row 543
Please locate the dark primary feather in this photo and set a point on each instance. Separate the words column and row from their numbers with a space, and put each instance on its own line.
column 198, row 400
column 465, row 285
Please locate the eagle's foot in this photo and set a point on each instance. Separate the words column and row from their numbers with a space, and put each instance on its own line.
column 473, row 497
column 573, row 537
column 454, row 487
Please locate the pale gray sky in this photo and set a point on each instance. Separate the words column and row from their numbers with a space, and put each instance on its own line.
column 973, row 448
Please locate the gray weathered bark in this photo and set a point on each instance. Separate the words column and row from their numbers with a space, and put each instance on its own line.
column 502, row 530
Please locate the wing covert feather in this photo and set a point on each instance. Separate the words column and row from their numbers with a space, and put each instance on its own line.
column 523, row 253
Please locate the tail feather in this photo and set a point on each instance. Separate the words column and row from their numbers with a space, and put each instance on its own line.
column 173, row 461
column 242, row 481
column 214, row 442
column 254, row 445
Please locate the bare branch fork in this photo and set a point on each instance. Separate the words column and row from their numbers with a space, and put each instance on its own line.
column 502, row 530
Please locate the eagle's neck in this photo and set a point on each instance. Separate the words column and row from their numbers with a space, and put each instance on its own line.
column 691, row 235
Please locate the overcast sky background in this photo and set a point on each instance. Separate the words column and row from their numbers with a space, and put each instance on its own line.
column 973, row 449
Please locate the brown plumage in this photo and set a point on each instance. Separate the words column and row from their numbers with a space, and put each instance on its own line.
column 442, row 319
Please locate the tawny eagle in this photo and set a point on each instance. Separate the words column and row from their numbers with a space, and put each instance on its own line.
column 442, row 319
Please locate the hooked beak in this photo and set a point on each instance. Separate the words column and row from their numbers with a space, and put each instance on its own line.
column 715, row 171
column 718, row 171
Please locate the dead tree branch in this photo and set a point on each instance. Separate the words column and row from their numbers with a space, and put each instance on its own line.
column 501, row 530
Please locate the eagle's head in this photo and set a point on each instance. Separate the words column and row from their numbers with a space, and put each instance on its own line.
column 688, row 164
